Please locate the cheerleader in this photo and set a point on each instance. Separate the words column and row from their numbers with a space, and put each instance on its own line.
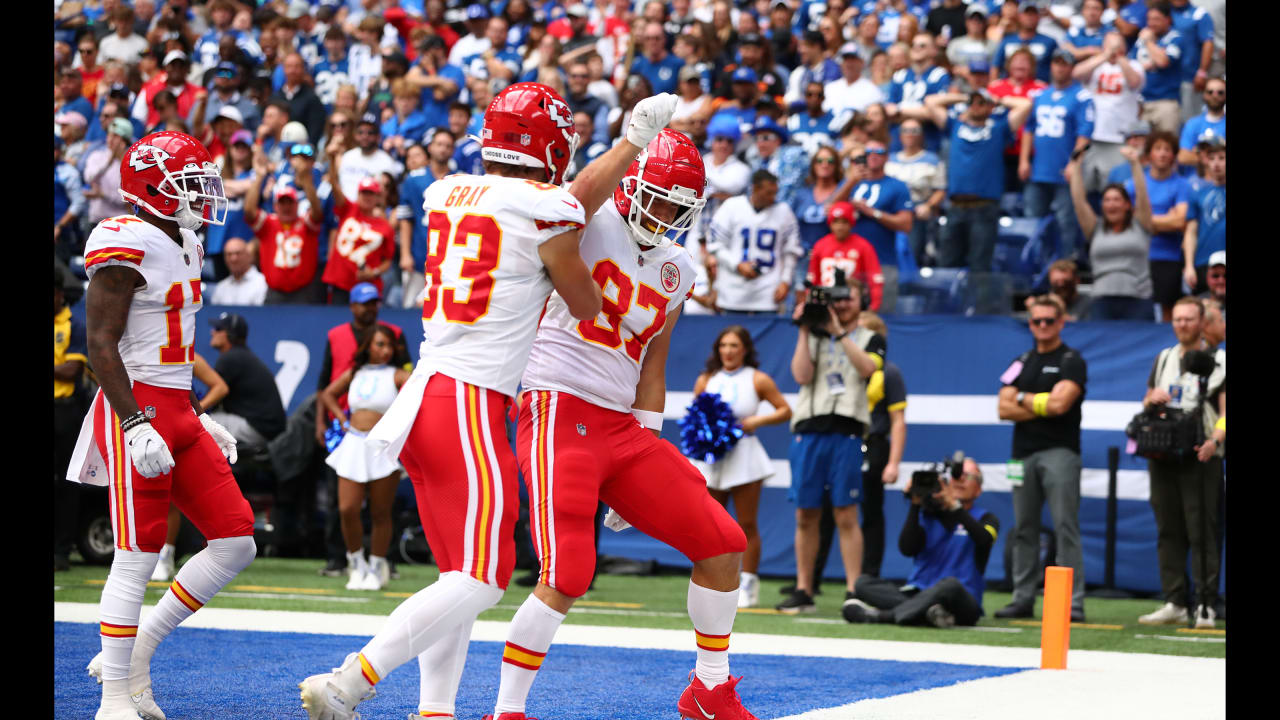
column 732, row 373
column 371, row 386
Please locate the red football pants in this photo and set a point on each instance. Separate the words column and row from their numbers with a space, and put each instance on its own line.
column 464, row 478
column 573, row 452
column 200, row 484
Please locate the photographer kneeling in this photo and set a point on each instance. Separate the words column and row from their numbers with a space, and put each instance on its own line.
column 950, row 540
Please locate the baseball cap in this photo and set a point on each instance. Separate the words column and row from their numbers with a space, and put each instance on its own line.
column 175, row 55
column 983, row 93
column 227, row 69
column 285, row 191
column 242, row 136
column 118, row 90
column 369, row 184
column 1064, row 55
column 1218, row 258
column 234, row 325
column 478, row 11
column 1210, row 139
column 230, row 112
column 689, row 72
column 294, row 132
column 297, row 9
column 750, row 39
column 724, row 125
column 371, row 119
column 364, row 292
column 71, row 117
column 1141, row 127
column 1026, row 5
column 979, row 65
column 764, row 123
column 576, row 10
column 431, row 41
column 976, row 8
column 813, row 37
column 744, row 74
column 121, row 127
column 848, row 49
column 842, row 210
column 776, row 3
column 396, row 57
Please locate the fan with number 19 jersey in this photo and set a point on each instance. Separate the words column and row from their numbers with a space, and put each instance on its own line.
column 768, row 239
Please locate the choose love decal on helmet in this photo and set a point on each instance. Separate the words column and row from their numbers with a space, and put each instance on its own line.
column 669, row 168
column 529, row 124
column 170, row 175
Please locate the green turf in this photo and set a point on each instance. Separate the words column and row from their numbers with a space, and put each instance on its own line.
column 659, row 602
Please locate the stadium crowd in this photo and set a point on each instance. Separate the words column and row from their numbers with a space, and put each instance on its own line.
column 942, row 124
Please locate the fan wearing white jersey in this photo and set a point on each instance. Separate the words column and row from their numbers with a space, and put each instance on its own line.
column 590, row 413
column 144, row 435
column 756, row 242
column 497, row 244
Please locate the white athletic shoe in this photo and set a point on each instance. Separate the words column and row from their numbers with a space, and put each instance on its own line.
column 144, row 701
column 748, row 590
column 1205, row 617
column 1168, row 614
column 164, row 568
column 357, row 581
column 324, row 700
column 382, row 569
column 369, row 581
column 95, row 668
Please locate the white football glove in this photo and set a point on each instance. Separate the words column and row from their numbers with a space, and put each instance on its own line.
column 226, row 441
column 147, row 451
column 614, row 521
column 649, row 117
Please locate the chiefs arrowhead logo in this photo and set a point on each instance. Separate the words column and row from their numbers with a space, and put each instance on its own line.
column 560, row 113
column 145, row 156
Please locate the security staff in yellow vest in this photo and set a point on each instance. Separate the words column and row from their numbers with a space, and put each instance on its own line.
column 69, row 360
column 831, row 364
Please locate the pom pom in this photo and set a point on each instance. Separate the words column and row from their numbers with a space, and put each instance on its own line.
column 333, row 435
column 708, row 430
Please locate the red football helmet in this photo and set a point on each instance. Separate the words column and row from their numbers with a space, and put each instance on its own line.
column 529, row 124
column 670, row 169
column 170, row 175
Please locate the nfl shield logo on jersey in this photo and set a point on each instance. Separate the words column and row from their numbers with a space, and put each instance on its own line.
column 582, row 430
column 150, row 412
column 670, row 277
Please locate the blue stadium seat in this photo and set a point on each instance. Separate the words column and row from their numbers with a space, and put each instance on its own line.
column 1040, row 252
column 944, row 291
column 1013, row 235
column 1011, row 204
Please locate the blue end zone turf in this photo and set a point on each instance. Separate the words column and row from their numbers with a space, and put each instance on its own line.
column 218, row 674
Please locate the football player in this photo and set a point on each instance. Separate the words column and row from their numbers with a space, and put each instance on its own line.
column 588, row 430
column 498, row 244
column 145, row 435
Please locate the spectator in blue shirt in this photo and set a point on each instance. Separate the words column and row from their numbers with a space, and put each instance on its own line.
column 68, row 205
column 588, row 148
column 1136, row 138
column 884, row 209
column 1060, row 125
column 821, row 187
column 407, row 124
column 332, row 71
column 466, row 151
column 439, row 81
column 1130, row 20
column 221, row 15
column 1159, row 51
column 411, row 228
column 814, row 66
column 1196, row 28
column 809, row 126
column 226, row 80
column 975, row 171
column 1041, row 46
column 786, row 161
column 69, row 99
column 910, row 86
column 579, row 100
column 1170, row 196
column 1085, row 41
column 1206, row 231
column 1212, row 122
column 657, row 65
column 498, row 62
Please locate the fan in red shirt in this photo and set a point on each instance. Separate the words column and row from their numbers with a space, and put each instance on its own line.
column 1022, row 83
column 842, row 250
column 288, row 245
column 173, row 79
column 363, row 245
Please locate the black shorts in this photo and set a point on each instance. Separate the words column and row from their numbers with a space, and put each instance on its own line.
column 1166, row 282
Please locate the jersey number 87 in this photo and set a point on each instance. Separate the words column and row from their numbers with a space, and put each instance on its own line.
column 603, row 273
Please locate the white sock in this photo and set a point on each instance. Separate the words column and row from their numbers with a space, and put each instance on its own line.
column 418, row 623
column 440, row 670
column 355, row 561
column 166, row 552
column 712, row 613
column 195, row 584
column 376, row 564
column 118, row 612
column 528, row 639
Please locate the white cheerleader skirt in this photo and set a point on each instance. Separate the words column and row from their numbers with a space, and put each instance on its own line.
column 355, row 459
column 746, row 463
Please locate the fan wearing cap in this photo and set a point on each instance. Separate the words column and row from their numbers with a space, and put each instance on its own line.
column 1216, row 280
column 786, row 161
column 72, row 127
column 741, row 105
column 972, row 45
column 174, row 79
column 102, row 173
column 288, row 241
column 846, row 251
column 851, row 92
column 1039, row 45
column 475, row 41
column 362, row 246
column 1206, row 233
column 365, row 160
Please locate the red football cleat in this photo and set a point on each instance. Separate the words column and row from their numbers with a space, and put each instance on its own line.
column 719, row 703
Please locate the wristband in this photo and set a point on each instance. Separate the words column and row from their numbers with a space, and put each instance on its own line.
column 1040, row 404
column 1221, row 424
column 650, row 419
column 133, row 421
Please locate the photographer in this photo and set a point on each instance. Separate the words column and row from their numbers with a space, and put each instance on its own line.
column 1185, row 494
column 1042, row 394
column 950, row 540
column 833, row 359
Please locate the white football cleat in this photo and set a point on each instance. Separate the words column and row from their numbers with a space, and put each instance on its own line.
column 145, row 703
column 1168, row 614
column 116, row 713
column 357, row 581
column 370, row 581
column 748, row 590
column 164, row 568
column 324, row 700
column 1205, row 617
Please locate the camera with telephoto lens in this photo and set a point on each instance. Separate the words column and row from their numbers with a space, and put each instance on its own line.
column 926, row 483
column 818, row 298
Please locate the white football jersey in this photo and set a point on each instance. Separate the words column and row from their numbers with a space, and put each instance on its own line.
column 599, row 360
column 158, row 345
column 769, row 238
column 485, row 282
